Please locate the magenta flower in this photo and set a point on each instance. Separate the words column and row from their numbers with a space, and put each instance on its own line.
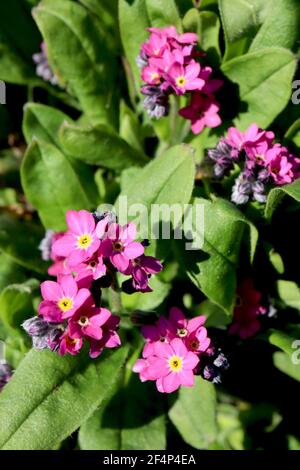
column 61, row 299
column 141, row 269
column 248, row 308
column 151, row 75
column 70, row 344
column 279, row 165
column 190, row 331
column 163, row 331
column 171, row 366
column 156, row 45
column 184, row 79
column 120, row 247
column 93, row 268
column 80, row 242
column 88, row 320
column 202, row 112
column 110, row 338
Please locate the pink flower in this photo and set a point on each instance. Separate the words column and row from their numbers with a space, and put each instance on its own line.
column 61, row 299
column 202, row 112
column 93, row 268
column 88, row 321
column 151, row 75
column 163, row 331
column 248, row 308
column 70, row 344
column 280, row 167
column 141, row 269
column 156, row 45
column 191, row 331
column 120, row 247
column 80, row 242
column 110, row 338
column 171, row 366
column 184, row 79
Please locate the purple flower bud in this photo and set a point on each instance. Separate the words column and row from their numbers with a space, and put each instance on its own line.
column 221, row 361
column 141, row 60
column 45, row 245
column 222, row 157
column 212, row 374
column 110, row 216
column 36, row 326
column 242, row 189
column 43, row 69
column 44, row 335
column 5, row 373
column 156, row 102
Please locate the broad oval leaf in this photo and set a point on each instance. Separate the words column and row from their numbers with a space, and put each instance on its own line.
column 194, row 414
column 265, row 81
column 50, row 396
column 52, row 185
column 163, row 13
column 79, row 56
column 276, row 196
column 19, row 241
column 99, row 146
column 213, row 267
column 284, row 363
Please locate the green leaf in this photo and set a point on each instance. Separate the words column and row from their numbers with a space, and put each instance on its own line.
column 19, row 40
column 149, row 300
column 19, row 241
column 276, row 196
column 50, row 396
column 264, row 78
column 99, row 146
column 280, row 339
column 42, row 122
column 207, row 25
column 293, row 133
column 79, row 56
column 130, row 128
column 194, row 414
column 163, row 13
column 9, row 271
column 52, row 185
column 284, row 363
column 16, row 304
column 289, row 292
column 240, row 19
column 281, row 26
column 133, row 22
column 119, row 426
column 213, row 267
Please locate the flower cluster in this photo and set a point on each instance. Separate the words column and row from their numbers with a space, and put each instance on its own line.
column 247, row 311
column 172, row 351
column 264, row 164
column 5, row 373
column 86, row 258
column 169, row 66
column 43, row 68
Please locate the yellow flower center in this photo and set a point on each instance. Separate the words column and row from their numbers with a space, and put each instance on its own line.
column 71, row 341
column 154, row 76
column 65, row 304
column 180, row 82
column 182, row 332
column 117, row 246
column 84, row 241
column 83, row 321
column 175, row 363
